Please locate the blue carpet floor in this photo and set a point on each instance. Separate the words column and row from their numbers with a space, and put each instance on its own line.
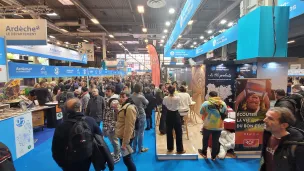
column 40, row 159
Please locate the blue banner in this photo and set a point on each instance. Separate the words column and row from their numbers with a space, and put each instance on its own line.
column 20, row 70
column 2, row 51
column 186, row 15
column 296, row 7
column 180, row 53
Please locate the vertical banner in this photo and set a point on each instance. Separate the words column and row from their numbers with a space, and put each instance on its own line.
column 3, row 66
column 252, row 103
column 154, row 65
column 221, row 78
column 24, row 137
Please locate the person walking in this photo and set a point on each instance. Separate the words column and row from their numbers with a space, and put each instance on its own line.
column 173, row 122
column 212, row 111
column 85, row 98
column 109, row 121
column 125, row 129
column 151, row 106
column 96, row 106
column 185, row 102
column 140, row 102
column 79, row 160
column 283, row 145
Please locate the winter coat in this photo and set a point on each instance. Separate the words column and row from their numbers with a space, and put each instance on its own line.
column 227, row 141
column 101, row 154
column 286, row 102
column 96, row 108
column 151, row 105
column 283, row 158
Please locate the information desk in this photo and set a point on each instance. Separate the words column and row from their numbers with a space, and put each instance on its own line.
column 17, row 133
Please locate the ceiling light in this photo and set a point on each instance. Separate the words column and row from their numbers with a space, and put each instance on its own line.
column 223, row 21
column 162, row 41
column 168, row 23
column 58, row 43
column 205, row 41
column 52, row 37
column 209, row 31
column 291, row 41
column 94, row 20
column 165, row 31
column 111, row 35
column 66, row 45
column 190, row 22
column 98, row 47
column 51, row 14
column 161, row 44
column 66, row 42
column 171, row 11
column 195, row 43
column 108, row 51
column 140, row 9
column 202, row 37
column 192, row 46
column 66, row 2
column 144, row 30
column 64, row 30
column 146, row 40
column 164, row 37
column 48, row 40
column 180, row 36
column 126, row 49
column 85, row 41
column 120, row 44
column 230, row 24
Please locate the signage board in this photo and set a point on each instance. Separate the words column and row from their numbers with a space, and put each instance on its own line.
column 87, row 49
column 24, row 31
column 3, row 67
column 296, row 7
column 180, row 53
column 49, row 51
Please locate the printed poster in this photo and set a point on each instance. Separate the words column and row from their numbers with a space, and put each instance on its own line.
column 23, row 134
column 252, row 103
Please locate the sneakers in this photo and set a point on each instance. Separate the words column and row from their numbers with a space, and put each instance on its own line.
column 204, row 155
column 144, row 150
column 116, row 159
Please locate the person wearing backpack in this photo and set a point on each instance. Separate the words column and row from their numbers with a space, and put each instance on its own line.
column 6, row 159
column 283, row 145
column 213, row 111
column 125, row 128
column 73, row 139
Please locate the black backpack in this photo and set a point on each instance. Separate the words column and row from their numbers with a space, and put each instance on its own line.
column 62, row 99
column 6, row 162
column 80, row 144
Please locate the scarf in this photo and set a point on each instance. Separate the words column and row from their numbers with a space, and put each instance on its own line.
column 216, row 100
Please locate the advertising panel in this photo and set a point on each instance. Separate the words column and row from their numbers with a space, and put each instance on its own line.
column 247, row 70
column 252, row 103
column 221, row 78
column 24, row 136
column 24, row 31
column 49, row 51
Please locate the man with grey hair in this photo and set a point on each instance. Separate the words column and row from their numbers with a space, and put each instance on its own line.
column 96, row 106
column 62, row 139
column 283, row 145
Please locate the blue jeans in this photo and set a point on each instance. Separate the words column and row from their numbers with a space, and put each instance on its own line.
column 139, row 134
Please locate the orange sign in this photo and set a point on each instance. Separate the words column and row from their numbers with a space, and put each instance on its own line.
column 155, row 68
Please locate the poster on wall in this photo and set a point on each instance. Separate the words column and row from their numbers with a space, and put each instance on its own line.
column 23, row 134
column 221, row 78
column 251, row 105
column 246, row 71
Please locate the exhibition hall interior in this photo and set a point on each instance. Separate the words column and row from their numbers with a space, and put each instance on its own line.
column 151, row 85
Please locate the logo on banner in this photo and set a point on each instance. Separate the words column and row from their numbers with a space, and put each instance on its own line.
column 56, row 71
column 172, row 53
column 214, row 42
column 20, row 122
column 43, row 70
column 23, row 70
column 78, row 71
column 251, row 142
column 254, row 69
column 213, row 68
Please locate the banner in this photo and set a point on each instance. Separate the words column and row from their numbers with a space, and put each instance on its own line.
column 154, row 65
column 49, row 51
column 20, row 70
column 252, row 103
column 180, row 53
column 296, row 7
column 221, row 78
column 246, row 71
column 3, row 69
column 186, row 15
column 24, row 31
column 24, row 137
column 87, row 49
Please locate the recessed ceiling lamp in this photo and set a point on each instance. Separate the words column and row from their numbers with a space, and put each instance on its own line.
column 120, row 44
column 205, row 41
column 168, row 23
column 209, row 31
column 180, row 36
column 48, row 40
column 66, row 2
column 58, row 43
column 171, row 11
column 162, row 41
column 94, row 20
column 230, row 24
column 64, row 30
column 165, row 31
column 51, row 14
column 195, row 43
column 190, row 22
column 192, row 46
column 223, row 21
column 146, row 40
column 141, row 9
column 164, row 37
column 86, row 41
column 66, row 42
column 98, row 47
column 202, row 37
column 291, row 41
column 52, row 37
column 111, row 35
column 161, row 44
column 144, row 30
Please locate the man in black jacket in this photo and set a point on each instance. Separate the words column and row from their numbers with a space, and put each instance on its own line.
column 43, row 95
column 61, row 138
column 284, row 101
column 96, row 106
column 282, row 144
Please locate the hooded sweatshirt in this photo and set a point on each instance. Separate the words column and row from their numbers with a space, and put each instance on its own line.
column 211, row 115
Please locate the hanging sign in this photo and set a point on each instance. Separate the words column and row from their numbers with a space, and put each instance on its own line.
column 3, row 68
column 49, row 51
column 24, row 31
column 296, row 7
column 180, row 53
column 87, row 49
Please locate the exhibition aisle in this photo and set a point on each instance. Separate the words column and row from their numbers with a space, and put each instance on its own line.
column 41, row 159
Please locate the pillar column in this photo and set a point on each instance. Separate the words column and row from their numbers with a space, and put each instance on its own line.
column 104, row 48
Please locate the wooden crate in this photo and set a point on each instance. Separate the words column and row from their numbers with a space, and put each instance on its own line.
column 38, row 118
